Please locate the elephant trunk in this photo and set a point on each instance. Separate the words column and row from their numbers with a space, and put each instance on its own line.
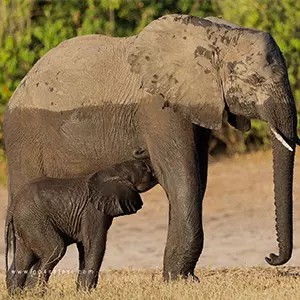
column 282, row 118
column 283, row 163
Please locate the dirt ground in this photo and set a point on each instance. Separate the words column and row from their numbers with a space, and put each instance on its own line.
column 238, row 220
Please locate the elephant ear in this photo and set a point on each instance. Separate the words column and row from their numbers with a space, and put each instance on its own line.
column 175, row 59
column 239, row 122
column 117, row 199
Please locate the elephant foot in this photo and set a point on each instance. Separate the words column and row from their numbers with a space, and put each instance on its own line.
column 190, row 277
column 193, row 278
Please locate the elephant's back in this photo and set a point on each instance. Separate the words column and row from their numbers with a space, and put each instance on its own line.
column 73, row 113
column 83, row 71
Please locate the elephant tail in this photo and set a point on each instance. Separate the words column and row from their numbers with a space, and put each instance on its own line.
column 10, row 237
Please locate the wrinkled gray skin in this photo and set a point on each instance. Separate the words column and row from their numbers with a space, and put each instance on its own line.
column 50, row 214
column 93, row 99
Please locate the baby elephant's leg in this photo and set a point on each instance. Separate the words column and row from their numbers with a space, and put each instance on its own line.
column 50, row 248
column 43, row 269
column 33, row 275
column 17, row 274
column 91, row 250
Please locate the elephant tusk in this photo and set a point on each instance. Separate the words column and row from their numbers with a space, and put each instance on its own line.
column 281, row 139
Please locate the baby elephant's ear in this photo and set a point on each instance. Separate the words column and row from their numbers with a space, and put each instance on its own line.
column 123, row 201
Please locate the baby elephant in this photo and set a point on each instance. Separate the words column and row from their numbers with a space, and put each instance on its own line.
column 50, row 214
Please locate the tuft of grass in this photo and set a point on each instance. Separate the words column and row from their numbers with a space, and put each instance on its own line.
column 234, row 284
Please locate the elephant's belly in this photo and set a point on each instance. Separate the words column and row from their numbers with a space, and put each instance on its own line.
column 69, row 143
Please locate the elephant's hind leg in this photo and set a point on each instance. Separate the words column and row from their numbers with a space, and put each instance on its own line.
column 32, row 278
column 17, row 274
column 48, row 261
column 49, row 248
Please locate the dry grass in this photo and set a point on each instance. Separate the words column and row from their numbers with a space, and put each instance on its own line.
column 233, row 284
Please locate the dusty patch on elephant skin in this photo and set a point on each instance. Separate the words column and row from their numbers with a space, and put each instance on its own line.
column 237, row 68
column 83, row 71
column 201, row 51
column 131, row 58
column 213, row 23
column 230, row 66
column 230, row 38
column 240, row 68
column 217, row 29
column 249, row 60
column 196, row 21
column 233, row 97
column 254, row 79
column 225, row 39
column 220, row 48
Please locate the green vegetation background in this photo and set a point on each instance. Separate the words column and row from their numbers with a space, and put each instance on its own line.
column 30, row 28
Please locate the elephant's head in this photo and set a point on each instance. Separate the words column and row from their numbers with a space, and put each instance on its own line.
column 203, row 67
column 115, row 191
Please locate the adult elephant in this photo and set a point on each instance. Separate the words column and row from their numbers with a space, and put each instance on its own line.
column 92, row 100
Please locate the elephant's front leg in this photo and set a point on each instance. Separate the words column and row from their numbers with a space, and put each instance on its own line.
column 92, row 248
column 170, row 141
